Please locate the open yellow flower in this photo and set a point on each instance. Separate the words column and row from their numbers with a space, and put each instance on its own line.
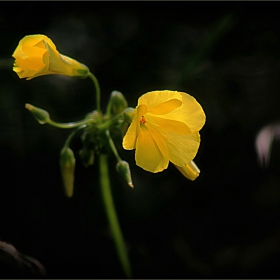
column 36, row 55
column 165, row 127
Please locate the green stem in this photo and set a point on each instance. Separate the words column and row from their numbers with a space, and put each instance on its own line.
column 68, row 125
column 107, row 124
column 68, row 140
column 97, row 88
column 112, row 216
column 112, row 145
column 108, row 110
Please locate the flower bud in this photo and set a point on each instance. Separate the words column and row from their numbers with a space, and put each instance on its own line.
column 190, row 171
column 118, row 102
column 128, row 114
column 123, row 168
column 41, row 115
column 67, row 167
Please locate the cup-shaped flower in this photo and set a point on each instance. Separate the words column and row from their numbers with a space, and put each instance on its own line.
column 36, row 55
column 165, row 127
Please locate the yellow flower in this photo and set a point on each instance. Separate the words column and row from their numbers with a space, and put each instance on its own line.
column 36, row 55
column 165, row 127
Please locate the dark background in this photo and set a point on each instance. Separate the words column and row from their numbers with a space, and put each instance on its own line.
column 226, row 224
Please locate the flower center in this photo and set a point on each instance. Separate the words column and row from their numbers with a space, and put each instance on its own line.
column 143, row 120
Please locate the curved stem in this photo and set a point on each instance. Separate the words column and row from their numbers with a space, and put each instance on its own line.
column 97, row 88
column 68, row 125
column 108, row 123
column 112, row 216
column 68, row 140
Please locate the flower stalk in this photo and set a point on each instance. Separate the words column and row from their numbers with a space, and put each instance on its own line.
column 43, row 117
column 97, row 92
column 67, row 164
column 122, row 166
column 112, row 216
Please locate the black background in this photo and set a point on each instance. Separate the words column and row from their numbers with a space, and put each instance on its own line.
column 226, row 224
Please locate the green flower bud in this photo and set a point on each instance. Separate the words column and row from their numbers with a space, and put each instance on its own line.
column 128, row 114
column 41, row 115
column 117, row 102
column 123, row 168
column 67, row 167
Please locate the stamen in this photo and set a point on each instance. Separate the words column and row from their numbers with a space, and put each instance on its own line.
column 143, row 120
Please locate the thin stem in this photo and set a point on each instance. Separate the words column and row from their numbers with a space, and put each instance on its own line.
column 108, row 123
column 108, row 110
column 97, row 89
column 68, row 125
column 112, row 145
column 68, row 140
column 112, row 216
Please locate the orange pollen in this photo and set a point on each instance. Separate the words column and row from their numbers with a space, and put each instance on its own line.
column 143, row 120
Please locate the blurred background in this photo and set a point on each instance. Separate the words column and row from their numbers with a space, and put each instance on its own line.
column 226, row 224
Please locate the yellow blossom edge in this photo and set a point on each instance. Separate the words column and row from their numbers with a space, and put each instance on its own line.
column 36, row 55
column 190, row 171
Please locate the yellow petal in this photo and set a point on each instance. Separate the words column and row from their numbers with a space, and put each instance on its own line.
column 174, row 139
column 147, row 155
column 27, row 43
column 156, row 98
column 30, row 63
column 49, row 42
column 19, row 52
column 190, row 113
column 166, row 107
column 129, row 140
column 190, row 171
